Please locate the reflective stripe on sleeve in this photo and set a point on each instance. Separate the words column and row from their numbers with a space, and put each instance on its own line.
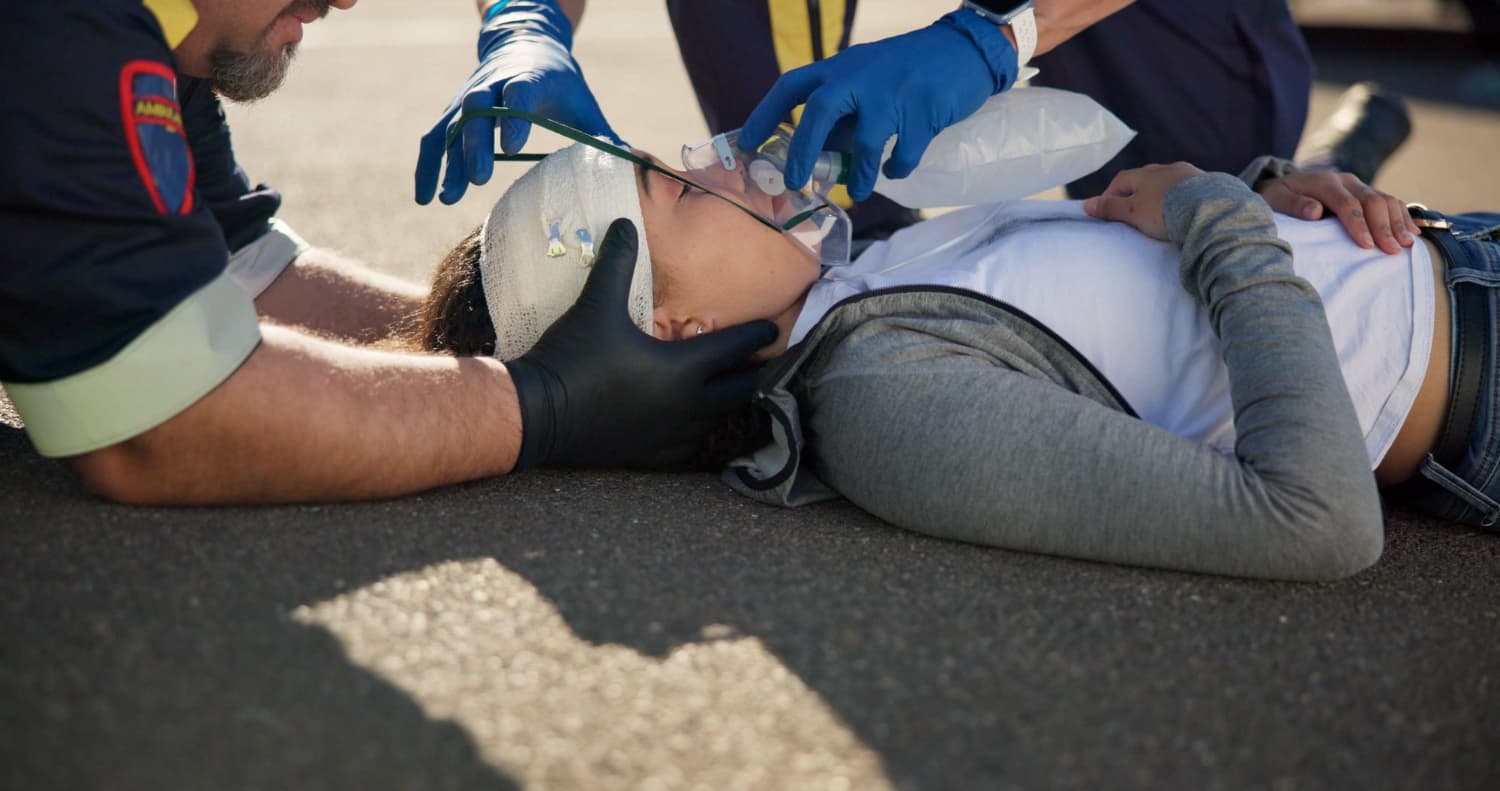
column 792, row 32
column 792, row 40
column 176, row 361
column 257, row 265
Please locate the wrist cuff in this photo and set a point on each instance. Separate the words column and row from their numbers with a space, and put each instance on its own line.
column 1183, row 203
column 1266, row 167
column 993, row 46
column 507, row 17
column 489, row 13
column 175, row 362
column 538, row 421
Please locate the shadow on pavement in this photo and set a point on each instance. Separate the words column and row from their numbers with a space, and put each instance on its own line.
column 154, row 648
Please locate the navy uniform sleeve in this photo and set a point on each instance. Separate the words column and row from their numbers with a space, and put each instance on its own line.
column 261, row 245
column 243, row 211
column 115, row 309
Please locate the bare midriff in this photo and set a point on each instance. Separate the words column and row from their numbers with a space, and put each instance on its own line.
column 1419, row 434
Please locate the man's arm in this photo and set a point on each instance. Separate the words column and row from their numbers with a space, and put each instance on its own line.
column 305, row 419
column 308, row 420
column 1059, row 20
column 335, row 296
column 292, row 282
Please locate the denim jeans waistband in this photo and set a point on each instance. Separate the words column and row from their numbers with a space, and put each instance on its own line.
column 1467, row 489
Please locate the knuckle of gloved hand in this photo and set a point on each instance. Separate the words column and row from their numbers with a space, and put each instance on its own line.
column 812, row 69
column 869, row 141
column 479, row 96
column 825, row 102
column 437, row 133
column 454, row 123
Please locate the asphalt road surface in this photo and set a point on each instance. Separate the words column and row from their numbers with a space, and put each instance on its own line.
column 613, row 630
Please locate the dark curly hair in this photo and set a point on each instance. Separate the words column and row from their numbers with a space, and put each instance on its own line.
column 454, row 319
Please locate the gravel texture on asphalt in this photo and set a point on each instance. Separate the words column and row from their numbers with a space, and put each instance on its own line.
column 612, row 630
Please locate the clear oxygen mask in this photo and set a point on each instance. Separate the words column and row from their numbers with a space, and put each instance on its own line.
column 720, row 169
column 756, row 174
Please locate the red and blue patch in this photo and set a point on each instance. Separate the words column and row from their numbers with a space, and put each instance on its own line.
column 153, row 128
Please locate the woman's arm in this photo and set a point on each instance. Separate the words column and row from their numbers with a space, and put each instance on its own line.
column 946, row 443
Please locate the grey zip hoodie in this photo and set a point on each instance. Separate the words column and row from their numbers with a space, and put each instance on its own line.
column 948, row 413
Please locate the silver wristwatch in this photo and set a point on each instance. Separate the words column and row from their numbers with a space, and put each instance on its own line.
column 1021, row 18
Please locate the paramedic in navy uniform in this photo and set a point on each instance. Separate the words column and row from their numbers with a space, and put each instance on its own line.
column 1213, row 82
column 165, row 333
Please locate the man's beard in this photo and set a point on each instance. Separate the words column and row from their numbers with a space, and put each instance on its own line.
column 248, row 76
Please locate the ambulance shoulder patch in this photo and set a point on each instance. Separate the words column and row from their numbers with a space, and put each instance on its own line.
column 158, row 143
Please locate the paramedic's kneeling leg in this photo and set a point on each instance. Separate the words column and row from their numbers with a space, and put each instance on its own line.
column 307, row 419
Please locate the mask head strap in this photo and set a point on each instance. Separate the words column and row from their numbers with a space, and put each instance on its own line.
column 578, row 136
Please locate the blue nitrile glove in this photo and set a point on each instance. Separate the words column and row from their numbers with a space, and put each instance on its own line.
column 524, row 63
column 913, row 86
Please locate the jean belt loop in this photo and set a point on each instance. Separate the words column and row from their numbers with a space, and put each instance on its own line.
column 1470, row 326
column 1442, row 477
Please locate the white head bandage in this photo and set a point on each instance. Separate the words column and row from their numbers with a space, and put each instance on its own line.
column 541, row 238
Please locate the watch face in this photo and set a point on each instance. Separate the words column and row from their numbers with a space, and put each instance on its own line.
column 1001, row 8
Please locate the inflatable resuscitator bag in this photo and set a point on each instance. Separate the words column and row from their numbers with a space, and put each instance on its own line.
column 1018, row 143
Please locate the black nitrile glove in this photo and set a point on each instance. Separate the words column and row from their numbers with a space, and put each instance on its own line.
column 596, row 391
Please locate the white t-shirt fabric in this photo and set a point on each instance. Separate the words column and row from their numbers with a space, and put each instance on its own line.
column 1114, row 294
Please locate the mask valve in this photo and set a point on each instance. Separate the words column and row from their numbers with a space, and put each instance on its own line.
column 806, row 214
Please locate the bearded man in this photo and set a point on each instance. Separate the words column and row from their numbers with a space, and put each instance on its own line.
column 162, row 330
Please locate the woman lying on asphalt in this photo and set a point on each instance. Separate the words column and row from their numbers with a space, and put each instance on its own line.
column 1167, row 375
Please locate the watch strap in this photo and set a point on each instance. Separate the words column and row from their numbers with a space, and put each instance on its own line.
column 1020, row 17
column 1024, row 26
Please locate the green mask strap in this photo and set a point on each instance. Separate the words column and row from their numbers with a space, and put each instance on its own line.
column 578, row 136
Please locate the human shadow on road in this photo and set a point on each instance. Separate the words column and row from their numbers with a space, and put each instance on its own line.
column 148, row 649
column 148, row 646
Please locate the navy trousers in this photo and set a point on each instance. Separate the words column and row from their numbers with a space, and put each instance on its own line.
column 1212, row 82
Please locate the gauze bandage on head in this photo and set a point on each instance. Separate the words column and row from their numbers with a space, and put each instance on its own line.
column 539, row 243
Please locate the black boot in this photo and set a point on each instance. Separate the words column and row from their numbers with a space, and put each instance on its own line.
column 1368, row 126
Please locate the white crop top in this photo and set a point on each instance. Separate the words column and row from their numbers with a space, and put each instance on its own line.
column 1115, row 295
